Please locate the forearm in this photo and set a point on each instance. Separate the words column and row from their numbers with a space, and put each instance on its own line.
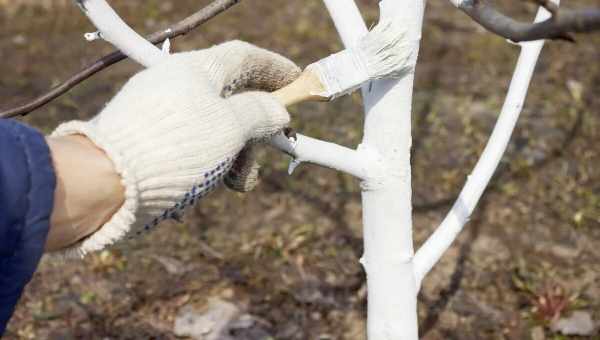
column 88, row 190
column 27, row 184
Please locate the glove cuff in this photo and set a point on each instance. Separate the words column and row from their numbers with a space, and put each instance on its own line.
column 120, row 223
column 159, row 185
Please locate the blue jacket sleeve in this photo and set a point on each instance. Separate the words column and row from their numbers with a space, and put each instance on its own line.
column 27, row 184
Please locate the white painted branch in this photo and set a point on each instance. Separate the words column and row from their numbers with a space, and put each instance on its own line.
column 115, row 31
column 459, row 215
column 392, row 289
column 306, row 149
column 347, row 20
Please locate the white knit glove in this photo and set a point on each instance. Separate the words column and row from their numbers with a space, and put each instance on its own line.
column 173, row 136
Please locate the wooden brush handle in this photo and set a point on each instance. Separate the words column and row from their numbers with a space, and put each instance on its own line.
column 302, row 89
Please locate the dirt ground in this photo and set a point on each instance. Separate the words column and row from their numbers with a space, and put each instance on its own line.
column 287, row 254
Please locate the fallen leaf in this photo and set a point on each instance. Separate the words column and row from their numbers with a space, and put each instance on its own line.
column 579, row 323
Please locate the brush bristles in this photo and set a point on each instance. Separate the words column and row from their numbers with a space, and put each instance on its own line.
column 385, row 50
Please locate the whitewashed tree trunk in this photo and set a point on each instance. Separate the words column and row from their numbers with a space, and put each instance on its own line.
column 386, row 195
column 394, row 275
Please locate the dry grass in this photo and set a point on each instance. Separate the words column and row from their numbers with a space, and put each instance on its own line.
column 12, row 6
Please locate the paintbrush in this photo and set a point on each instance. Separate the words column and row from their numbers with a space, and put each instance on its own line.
column 381, row 53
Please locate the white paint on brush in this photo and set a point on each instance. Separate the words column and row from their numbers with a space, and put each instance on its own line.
column 382, row 53
column 341, row 73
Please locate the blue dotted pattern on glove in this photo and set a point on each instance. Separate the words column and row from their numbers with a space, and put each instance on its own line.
column 211, row 179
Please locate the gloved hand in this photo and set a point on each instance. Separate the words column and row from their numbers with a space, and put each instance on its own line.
column 172, row 135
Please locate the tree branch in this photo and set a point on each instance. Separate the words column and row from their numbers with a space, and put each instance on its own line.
column 443, row 237
column 114, row 30
column 181, row 28
column 558, row 26
column 360, row 163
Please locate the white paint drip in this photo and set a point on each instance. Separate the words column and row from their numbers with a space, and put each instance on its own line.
column 93, row 36
column 457, row 3
column 166, row 46
column 383, row 53
column 293, row 165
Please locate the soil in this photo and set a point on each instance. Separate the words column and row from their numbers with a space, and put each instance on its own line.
column 287, row 253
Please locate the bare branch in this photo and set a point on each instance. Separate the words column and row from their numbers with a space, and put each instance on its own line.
column 557, row 27
column 181, row 28
column 549, row 5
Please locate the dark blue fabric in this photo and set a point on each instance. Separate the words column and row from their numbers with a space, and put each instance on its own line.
column 27, row 184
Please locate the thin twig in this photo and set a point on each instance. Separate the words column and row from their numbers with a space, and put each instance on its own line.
column 559, row 26
column 181, row 28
